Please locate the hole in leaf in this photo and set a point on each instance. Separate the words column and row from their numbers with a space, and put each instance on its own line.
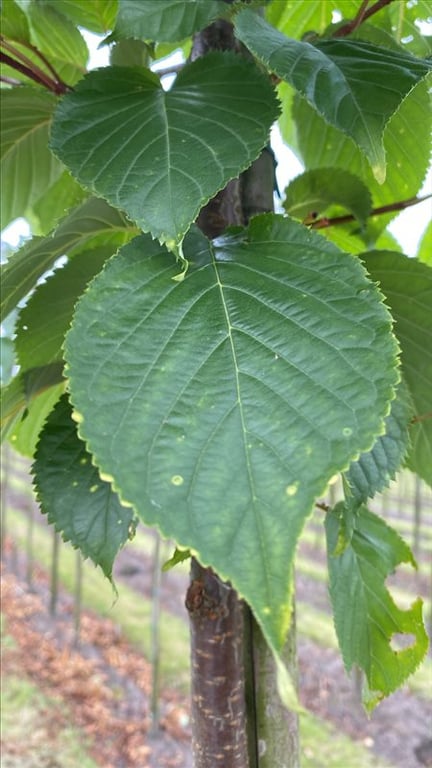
column 400, row 641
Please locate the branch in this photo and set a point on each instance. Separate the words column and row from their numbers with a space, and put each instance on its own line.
column 362, row 15
column 21, row 63
column 399, row 206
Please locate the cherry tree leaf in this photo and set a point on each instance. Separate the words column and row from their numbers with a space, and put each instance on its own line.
column 81, row 229
column 316, row 190
column 170, row 21
column 27, row 165
column 373, row 471
column 367, row 620
column 355, row 86
column 81, row 506
column 222, row 405
column 161, row 155
column 407, row 285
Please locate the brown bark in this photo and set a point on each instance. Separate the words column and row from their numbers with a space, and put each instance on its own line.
column 218, row 698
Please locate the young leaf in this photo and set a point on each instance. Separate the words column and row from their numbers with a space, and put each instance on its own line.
column 355, row 86
column 366, row 617
column 160, row 156
column 25, row 433
column 81, row 506
column 374, row 470
column 407, row 285
column 96, row 15
column 43, row 322
column 170, row 21
column 79, row 230
column 59, row 39
column 28, row 168
column 314, row 191
column 64, row 195
column 13, row 22
column 18, row 395
column 252, row 381
column 298, row 18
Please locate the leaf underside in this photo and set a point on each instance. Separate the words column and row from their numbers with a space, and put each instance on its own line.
column 222, row 405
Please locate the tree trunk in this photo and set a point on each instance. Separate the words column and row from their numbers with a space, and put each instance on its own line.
column 238, row 720
column 219, row 736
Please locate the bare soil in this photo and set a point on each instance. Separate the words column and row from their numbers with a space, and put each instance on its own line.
column 105, row 683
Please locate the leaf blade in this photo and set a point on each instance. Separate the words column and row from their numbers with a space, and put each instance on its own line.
column 205, row 363
column 206, row 130
column 345, row 81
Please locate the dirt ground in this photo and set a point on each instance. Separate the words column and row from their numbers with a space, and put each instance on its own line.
column 107, row 684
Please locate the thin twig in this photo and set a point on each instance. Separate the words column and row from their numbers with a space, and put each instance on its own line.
column 363, row 14
column 423, row 417
column 321, row 505
column 398, row 206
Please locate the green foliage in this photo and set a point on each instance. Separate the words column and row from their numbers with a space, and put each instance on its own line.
column 355, row 86
column 26, row 161
column 312, row 193
column 180, row 147
column 171, row 22
column 362, row 552
column 80, row 505
column 314, row 303
column 373, row 471
column 91, row 224
column 219, row 406
column 407, row 286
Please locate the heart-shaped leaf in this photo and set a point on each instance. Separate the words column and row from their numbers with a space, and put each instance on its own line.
column 355, row 86
column 222, row 405
column 160, row 156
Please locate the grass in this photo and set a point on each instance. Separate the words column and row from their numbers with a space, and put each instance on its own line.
column 324, row 747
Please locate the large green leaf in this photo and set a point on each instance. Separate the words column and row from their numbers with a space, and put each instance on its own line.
column 81, row 506
column 374, row 470
column 407, row 285
column 170, row 21
column 366, row 617
column 81, row 229
column 96, row 15
column 160, row 156
column 311, row 193
column 355, row 86
column 222, row 405
column 27, row 165
column 407, row 135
